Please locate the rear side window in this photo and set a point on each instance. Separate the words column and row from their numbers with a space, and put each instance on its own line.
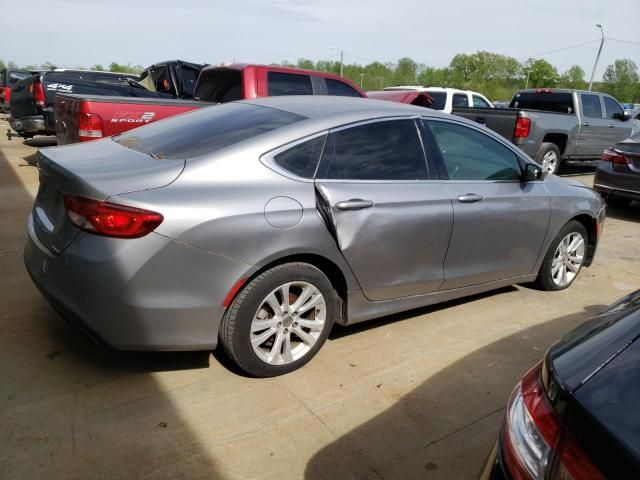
column 205, row 131
column 611, row 107
column 548, row 101
column 591, row 105
column 460, row 100
column 479, row 102
column 389, row 150
column 439, row 100
column 302, row 159
column 470, row 155
column 15, row 77
column 288, row 84
column 336, row 87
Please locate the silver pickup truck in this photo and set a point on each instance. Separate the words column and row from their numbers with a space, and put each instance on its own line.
column 557, row 125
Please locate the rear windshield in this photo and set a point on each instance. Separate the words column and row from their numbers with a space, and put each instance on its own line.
column 12, row 76
column 546, row 101
column 219, row 85
column 206, row 130
column 439, row 99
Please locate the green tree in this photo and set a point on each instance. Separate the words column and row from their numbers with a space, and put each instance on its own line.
column 621, row 80
column 97, row 67
column 405, row 72
column 2, row 65
column 13, row 65
column 542, row 74
column 128, row 68
column 306, row 64
column 573, row 78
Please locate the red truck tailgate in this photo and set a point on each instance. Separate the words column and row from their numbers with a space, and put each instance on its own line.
column 82, row 118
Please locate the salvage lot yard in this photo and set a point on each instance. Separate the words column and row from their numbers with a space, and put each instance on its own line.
column 418, row 395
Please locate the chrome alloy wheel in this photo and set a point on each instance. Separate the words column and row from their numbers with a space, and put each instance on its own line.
column 550, row 161
column 288, row 323
column 567, row 259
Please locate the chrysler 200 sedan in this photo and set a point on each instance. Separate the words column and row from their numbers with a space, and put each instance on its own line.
column 263, row 222
column 574, row 416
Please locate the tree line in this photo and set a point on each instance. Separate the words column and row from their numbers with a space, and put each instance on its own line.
column 496, row 76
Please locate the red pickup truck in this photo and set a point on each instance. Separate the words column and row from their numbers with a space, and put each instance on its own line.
column 80, row 118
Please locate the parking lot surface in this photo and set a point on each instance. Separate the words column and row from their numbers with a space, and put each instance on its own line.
column 418, row 395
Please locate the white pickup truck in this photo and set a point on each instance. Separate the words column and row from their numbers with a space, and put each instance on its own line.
column 446, row 99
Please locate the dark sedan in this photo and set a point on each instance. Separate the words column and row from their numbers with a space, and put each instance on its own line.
column 575, row 415
column 618, row 173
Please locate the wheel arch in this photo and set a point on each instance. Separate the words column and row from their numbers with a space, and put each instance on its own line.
column 591, row 225
column 327, row 266
column 558, row 139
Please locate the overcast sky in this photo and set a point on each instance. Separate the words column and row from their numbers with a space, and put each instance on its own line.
column 85, row 32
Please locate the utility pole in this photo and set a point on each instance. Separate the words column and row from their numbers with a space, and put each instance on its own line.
column 361, row 78
column 528, row 73
column 595, row 65
column 342, row 58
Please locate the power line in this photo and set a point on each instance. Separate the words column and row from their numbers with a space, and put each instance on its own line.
column 558, row 50
column 622, row 41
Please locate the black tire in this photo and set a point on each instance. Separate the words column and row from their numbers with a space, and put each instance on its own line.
column 618, row 202
column 545, row 149
column 235, row 330
column 544, row 281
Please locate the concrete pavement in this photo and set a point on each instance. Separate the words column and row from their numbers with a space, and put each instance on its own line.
column 418, row 395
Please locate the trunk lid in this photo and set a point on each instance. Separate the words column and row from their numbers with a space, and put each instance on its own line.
column 22, row 102
column 97, row 170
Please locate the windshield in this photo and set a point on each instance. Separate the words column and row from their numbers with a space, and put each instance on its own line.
column 205, row 131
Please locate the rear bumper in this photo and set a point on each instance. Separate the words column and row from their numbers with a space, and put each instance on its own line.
column 495, row 468
column 151, row 293
column 610, row 182
column 30, row 125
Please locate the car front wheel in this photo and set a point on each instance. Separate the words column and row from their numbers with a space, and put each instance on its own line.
column 564, row 259
column 279, row 320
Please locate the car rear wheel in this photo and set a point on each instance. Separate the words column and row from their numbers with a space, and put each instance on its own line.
column 279, row 320
column 549, row 157
column 564, row 259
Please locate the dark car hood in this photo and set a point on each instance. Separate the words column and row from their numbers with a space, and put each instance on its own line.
column 588, row 350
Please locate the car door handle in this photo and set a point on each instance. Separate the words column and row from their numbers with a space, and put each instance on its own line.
column 469, row 198
column 354, row 204
column 585, row 124
column 610, row 125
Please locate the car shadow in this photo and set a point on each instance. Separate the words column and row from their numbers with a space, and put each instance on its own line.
column 340, row 331
column 446, row 426
column 72, row 409
column 630, row 213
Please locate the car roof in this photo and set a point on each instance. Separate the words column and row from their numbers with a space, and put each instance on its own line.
column 323, row 106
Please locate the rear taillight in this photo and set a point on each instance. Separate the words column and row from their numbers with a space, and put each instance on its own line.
column 613, row 156
column 38, row 94
column 89, row 126
column 523, row 125
column 110, row 219
column 2, row 90
column 535, row 441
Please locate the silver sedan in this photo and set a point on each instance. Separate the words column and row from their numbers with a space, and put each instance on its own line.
column 259, row 224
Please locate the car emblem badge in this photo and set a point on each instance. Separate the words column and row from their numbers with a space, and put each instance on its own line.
column 44, row 267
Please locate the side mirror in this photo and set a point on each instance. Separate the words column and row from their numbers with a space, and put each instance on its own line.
column 533, row 172
column 624, row 116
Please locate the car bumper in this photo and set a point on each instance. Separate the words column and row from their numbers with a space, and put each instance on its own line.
column 32, row 125
column 494, row 467
column 151, row 293
column 611, row 182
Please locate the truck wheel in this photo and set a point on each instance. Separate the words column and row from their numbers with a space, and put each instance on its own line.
column 279, row 320
column 549, row 157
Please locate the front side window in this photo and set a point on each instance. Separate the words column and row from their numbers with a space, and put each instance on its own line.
column 336, row 87
column 389, row 150
column 479, row 102
column 189, row 79
column 471, row 155
column 302, row 159
column 460, row 100
column 591, row 105
column 612, row 107
column 288, row 84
